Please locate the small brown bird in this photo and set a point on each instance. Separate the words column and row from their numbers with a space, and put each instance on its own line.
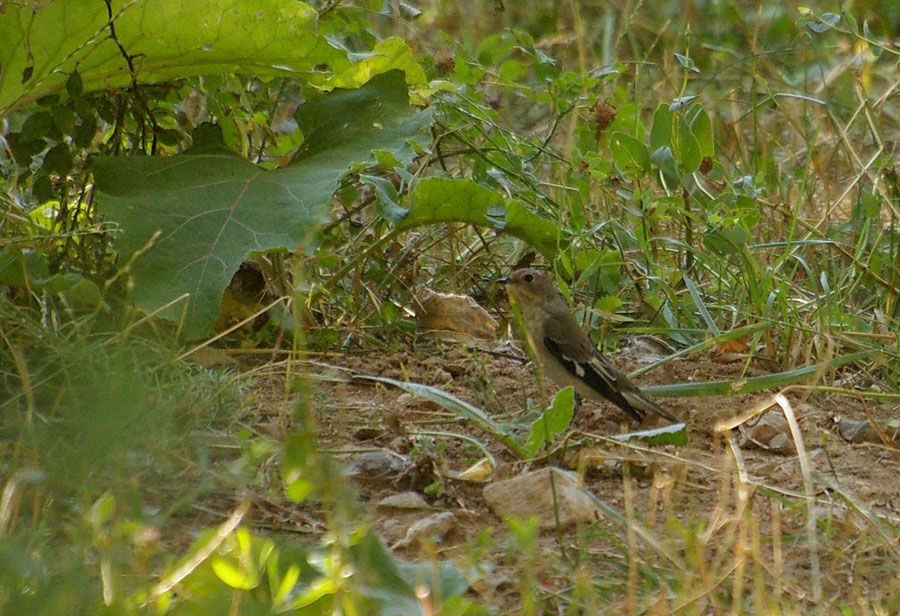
column 566, row 354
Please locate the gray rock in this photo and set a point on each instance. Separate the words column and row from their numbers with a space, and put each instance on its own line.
column 435, row 527
column 374, row 465
column 863, row 432
column 532, row 494
column 403, row 500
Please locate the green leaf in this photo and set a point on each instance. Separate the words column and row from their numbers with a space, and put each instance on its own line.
column 608, row 304
column 345, row 126
column 874, row 47
column 661, row 132
column 727, row 240
column 553, row 421
column 752, row 384
column 232, row 575
column 390, row 584
column 447, row 580
column 102, row 511
column 85, row 132
column 513, row 70
column 631, row 156
column 75, row 288
column 665, row 162
column 24, row 149
column 45, row 43
column 213, row 208
column 852, row 26
column 23, row 268
column 495, row 48
column 63, row 118
column 687, row 63
column 386, row 198
column 438, row 200
column 681, row 102
column 390, row 54
column 58, row 159
column 298, row 462
column 701, row 127
column 42, row 187
column 31, row 270
column 823, row 23
column 74, row 84
column 285, row 585
column 674, row 434
column 700, row 305
column 687, row 149
column 37, row 126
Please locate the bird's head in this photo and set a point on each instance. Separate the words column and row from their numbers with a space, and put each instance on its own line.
column 530, row 287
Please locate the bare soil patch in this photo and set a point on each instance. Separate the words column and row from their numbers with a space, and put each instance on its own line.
column 689, row 498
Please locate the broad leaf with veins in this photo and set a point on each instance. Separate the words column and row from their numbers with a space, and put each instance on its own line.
column 213, row 208
column 437, row 200
column 166, row 39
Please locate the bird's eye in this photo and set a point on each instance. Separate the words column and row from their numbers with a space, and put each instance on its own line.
column 529, row 278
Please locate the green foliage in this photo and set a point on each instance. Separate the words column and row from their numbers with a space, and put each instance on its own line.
column 92, row 416
column 162, row 39
column 212, row 208
column 390, row 54
column 756, row 383
column 553, row 421
column 106, row 428
column 674, row 434
column 31, row 270
column 437, row 200
column 679, row 185
column 273, row 578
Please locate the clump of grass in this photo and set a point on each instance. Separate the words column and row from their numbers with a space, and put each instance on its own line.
column 99, row 452
column 707, row 538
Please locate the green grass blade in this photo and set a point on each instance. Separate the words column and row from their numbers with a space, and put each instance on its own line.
column 675, row 434
column 701, row 307
column 453, row 404
column 746, row 330
column 753, row 384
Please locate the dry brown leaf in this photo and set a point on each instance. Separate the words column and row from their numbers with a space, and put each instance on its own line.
column 479, row 472
column 452, row 316
column 730, row 350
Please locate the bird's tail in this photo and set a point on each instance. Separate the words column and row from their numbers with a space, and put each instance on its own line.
column 644, row 405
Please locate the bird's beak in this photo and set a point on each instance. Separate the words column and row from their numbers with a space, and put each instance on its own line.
column 503, row 280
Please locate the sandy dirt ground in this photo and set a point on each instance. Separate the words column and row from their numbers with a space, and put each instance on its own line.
column 671, row 491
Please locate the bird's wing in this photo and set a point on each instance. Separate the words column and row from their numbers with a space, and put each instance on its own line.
column 585, row 362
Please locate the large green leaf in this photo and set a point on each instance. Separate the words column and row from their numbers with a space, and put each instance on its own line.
column 389, row 54
column 687, row 148
column 436, row 200
column 43, row 43
column 212, row 208
column 390, row 585
column 630, row 155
